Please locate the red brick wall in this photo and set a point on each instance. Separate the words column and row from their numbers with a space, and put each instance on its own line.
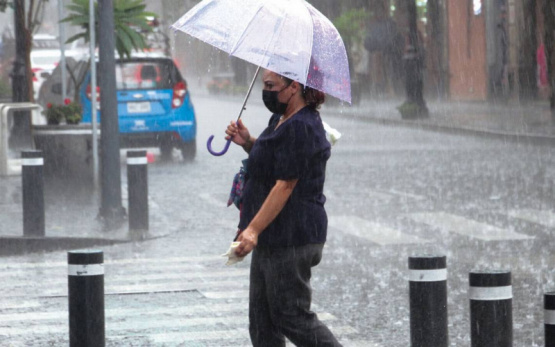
column 467, row 52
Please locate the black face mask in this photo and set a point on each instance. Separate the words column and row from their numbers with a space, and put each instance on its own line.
column 272, row 103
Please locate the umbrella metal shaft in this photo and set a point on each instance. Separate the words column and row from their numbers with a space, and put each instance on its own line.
column 248, row 93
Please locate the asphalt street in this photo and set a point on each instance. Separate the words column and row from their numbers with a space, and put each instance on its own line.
column 392, row 192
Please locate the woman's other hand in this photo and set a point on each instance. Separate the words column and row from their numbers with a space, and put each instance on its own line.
column 238, row 133
column 249, row 240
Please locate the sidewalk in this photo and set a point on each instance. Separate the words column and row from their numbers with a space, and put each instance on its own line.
column 533, row 122
column 71, row 218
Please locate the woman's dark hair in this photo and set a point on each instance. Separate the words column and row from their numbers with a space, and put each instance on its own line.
column 313, row 97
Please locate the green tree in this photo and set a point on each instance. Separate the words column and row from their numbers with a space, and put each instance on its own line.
column 131, row 23
column 32, row 20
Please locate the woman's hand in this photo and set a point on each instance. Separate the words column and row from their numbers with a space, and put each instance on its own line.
column 249, row 240
column 238, row 133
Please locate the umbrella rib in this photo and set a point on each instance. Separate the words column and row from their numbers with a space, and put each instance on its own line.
column 236, row 44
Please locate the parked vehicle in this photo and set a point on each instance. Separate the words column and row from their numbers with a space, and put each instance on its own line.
column 154, row 105
column 46, row 55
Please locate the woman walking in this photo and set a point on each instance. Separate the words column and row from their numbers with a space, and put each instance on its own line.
column 283, row 220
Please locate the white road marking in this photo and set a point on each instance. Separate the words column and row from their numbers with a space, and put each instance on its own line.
column 212, row 200
column 466, row 227
column 407, row 195
column 542, row 217
column 374, row 232
column 221, row 315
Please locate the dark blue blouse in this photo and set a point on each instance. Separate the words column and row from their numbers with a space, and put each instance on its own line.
column 298, row 149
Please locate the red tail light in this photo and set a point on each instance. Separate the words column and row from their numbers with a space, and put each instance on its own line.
column 89, row 92
column 35, row 71
column 179, row 91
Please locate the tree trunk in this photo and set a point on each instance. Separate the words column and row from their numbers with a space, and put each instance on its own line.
column 528, row 47
column 414, row 106
column 549, row 13
column 434, row 51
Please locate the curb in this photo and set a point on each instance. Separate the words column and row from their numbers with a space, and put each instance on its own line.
column 453, row 129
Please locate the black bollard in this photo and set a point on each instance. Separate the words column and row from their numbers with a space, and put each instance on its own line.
column 86, row 298
column 428, row 301
column 32, row 164
column 137, row 186
column 491, row 301
column 549, row 318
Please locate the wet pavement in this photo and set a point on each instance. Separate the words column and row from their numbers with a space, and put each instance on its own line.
column 172, row 288
column 531, row 123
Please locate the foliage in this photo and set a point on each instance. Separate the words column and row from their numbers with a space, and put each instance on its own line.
column 70, row 111
column 131, row 24
column 350, row 25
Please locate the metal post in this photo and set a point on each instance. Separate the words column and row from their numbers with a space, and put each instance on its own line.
column 111, row 209
column 549, row 318
column 137, row 185
column 428, row 301
column 62, row 38
column 33, row 193
column 94, row 121
column 491, row 300
column 86, row 298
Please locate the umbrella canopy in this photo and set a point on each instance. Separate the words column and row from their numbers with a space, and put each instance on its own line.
column 288, row 37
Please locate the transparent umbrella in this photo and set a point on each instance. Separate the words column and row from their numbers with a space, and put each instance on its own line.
column 288, row 37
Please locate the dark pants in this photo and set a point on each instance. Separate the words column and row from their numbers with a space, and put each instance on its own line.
column 280, row 297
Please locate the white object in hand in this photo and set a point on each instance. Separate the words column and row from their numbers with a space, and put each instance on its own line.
column 332, row 134
column 232, row 257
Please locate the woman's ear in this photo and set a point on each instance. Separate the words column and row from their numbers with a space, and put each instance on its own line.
column 296, row 86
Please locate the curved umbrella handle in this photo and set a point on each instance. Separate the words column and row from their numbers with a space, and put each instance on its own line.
column 217, row 154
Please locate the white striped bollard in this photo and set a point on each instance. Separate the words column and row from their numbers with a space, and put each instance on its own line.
column 491, row 304
column 549, row 318
column 86, row 298
column 137, row 187
column 32, row 182
column 428, row 301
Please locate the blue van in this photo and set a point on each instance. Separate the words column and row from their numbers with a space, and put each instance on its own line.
column 154, row 106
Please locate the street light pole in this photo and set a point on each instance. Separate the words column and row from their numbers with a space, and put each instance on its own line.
column 111, row 209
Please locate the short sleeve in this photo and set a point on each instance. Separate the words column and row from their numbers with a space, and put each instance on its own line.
column 294, row 150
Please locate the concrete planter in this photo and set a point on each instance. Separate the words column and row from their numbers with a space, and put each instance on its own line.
column 67, row 151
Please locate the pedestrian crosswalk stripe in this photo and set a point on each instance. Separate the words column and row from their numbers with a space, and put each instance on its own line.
column 374, row 232
column 139, row 279
column 15, row 266
column 197, row 310
column 232, row 334
column 542, row 217
column 466, row 227
column 406, row 195
column 142, row 288
column 212, row 200
column 151, row 323
column 226, row 294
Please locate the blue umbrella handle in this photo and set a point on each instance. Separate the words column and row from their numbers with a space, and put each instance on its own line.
column 217, row 154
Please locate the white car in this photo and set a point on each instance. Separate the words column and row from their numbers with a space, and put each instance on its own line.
column 46, row 55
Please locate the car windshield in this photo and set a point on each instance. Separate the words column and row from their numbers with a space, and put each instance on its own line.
column 146, row 74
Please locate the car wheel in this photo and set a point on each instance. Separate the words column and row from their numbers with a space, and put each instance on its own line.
column 166, row 150
column 189, row 151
